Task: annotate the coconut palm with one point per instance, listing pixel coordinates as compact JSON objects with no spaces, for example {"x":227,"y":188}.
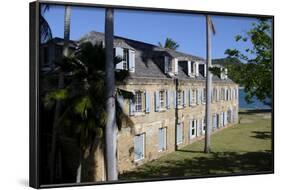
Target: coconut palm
{"x":45,"y":30}
{"x":210,"y":29}
{"x":111,"y":129}
{"x":83,"y":100}
{"x":67,"y":17}
{"x":170,"y":44}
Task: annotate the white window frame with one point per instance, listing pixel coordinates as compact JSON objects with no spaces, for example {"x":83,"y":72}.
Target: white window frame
{"x":138,"y":102}
{"x":204,"y":124}
{"x":193,"y":127}
{"x":162,"y":99}
{"x":143,"y":147}
{"x":125,"y":59}
{"x":193,"y":96}
{"x":179,"y":97}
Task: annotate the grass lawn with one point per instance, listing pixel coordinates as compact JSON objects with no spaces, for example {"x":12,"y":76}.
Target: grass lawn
{"x":245,"y":147}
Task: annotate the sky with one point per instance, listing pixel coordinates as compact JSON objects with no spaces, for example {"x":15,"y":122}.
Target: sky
{"x":188,"y":30}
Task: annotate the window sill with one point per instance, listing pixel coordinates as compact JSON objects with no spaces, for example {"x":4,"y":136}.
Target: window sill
{"x":163,"y":150}
{"x":139,"y":114}
{"x":162,"y":110}
{"x":138,"y":160}
{"x":178,"y":143}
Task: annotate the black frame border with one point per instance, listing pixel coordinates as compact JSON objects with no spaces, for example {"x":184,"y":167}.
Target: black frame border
{"x":34,"y":41}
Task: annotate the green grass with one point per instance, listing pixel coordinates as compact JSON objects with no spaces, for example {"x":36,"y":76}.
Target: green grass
{"x":245,"y":147}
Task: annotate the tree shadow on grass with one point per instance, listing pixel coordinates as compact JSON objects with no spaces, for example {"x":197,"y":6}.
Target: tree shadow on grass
{"x":264,"y":135}
{"x":215,"y":164}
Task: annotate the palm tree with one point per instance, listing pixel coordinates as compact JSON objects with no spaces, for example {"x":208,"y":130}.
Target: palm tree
{"x":111,"y":128}
{"x":83,"y":101}
{"x":67,"y":16}
{"x":170,"y":44}
{"x":45,"y":30}
{"x":209,"y":27}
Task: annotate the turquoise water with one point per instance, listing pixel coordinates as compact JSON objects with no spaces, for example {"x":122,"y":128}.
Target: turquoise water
{"x":255,"y":105}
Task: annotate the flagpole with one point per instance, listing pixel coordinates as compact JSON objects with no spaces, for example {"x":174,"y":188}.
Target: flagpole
{"x":208,"y":86}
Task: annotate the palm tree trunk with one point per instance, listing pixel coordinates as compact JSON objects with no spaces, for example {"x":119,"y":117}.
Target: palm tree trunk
{"x":111,"y":128}
{"x":67,"y":16}
{"x":208,"y":88}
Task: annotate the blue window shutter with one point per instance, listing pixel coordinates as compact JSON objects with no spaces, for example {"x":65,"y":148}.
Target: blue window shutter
{"x":147,"y":102}
{"x":175,"y":99}
{"x":131,"y":60}
{"x":168,"y":99}
{"x":156,"y":99}
{"x":166,"y":62}
{"x":225,"y":94}
{"x":184,"y":97}
{"x":161,"y":138}
{"x":179,"y":133}
{"x":138,"y":148}
{"x":197,"y":128}
{"x":119,"y":53}
{"x":190,"y":129}
{"x":171,"y":98}
{"x":190,"y":97}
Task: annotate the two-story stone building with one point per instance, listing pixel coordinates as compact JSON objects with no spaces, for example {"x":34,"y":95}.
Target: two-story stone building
{"x":168,"y":108}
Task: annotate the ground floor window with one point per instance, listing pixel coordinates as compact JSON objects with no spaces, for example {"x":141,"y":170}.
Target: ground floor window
{"x":179,"y":133}
{"x":229,"y":114}
{"x":203,"y":125}
{"x":139,"y":145}
{"x":192,"y":128}
{"x":162,"y":142}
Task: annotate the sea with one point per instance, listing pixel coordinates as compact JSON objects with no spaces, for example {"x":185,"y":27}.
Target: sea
{"x":255,"y":105}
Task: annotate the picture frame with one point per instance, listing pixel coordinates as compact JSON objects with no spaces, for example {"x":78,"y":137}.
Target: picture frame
{"x":36,"y":88}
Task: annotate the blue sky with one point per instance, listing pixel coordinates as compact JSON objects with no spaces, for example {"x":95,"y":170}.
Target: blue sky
{"x":188,"y":30}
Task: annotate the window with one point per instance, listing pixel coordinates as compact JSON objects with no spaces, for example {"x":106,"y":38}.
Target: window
{"x":46,"y":55}
{"x":229,"y":116}
{"x":179,"y":97}
{"x":179,"y":133}
{"x":58,"y":52}
{"x":162,"y":99}
{"x":204,"y":95}
{"x":162,"y":134}
{"x":139,"y":146}
{"x":204,"y":125}
{"x":193,"y":67}
{"x":214,"y":94}
{"x":222,"y":94}
{"x":193,"y":96}
{"x":193,"y":128}
{"x":170,"y":65}
{"x":138,"y":101}
{"x":125,"y":59}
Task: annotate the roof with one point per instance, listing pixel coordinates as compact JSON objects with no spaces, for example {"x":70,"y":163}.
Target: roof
{"x":146,"y":57}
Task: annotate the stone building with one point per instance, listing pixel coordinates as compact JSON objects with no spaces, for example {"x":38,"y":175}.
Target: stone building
{"x":168,"y":108}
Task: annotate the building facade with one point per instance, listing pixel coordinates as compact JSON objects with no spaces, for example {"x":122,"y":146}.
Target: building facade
{"x":167,"y":110}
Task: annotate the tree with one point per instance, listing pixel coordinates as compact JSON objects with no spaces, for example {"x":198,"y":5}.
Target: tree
{"x":111,"y":128}
{"x":67,"y":16}
{"x":256,"y":74}
{"x":83,"y":99}
{"x":45,"y":30}
{"x":209,"y":30}
{"x":170,"y":44}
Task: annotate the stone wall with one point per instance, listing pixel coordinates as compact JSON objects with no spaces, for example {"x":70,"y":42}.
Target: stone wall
{"x":149,"y":123}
